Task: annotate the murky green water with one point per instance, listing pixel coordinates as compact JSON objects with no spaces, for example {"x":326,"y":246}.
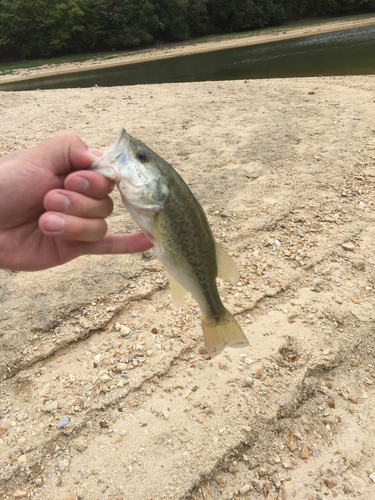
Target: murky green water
{"x":350,"y":52}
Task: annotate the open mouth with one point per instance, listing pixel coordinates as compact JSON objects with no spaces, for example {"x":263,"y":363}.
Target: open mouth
{"x":115,"y":154}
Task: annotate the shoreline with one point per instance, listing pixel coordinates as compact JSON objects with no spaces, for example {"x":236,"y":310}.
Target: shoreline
{"x":180,"y":50}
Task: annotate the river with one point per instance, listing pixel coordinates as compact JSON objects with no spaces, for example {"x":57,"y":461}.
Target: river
{"x":348,"y":52}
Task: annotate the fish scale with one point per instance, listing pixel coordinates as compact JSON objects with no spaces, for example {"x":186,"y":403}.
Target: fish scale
{"x":182,"y":235}
{"x":166,"y":210}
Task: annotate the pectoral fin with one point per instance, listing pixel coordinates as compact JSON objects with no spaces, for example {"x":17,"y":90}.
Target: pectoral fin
{"x":178,"y":292}
{"x":226,"y":267}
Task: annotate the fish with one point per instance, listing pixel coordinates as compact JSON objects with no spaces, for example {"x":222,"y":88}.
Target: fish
{"x":170,"y":216}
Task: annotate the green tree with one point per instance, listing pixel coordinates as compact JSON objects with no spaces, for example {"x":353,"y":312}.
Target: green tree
{"x":29,"y":28}
{"x":197,"y":17}
{"x":34,"y":28}
{"x":173,"y":15}
{"x":118,"y":23}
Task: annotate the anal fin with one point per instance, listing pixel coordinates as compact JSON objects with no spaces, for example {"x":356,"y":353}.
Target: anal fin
{"x":226,"y":267}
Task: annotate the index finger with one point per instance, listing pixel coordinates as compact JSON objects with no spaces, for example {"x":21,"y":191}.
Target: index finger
{"x":89,"y":183}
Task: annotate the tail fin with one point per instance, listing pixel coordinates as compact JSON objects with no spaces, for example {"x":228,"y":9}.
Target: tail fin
{"x":221,"y":333}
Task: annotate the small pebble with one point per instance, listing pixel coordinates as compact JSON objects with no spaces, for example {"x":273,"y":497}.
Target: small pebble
{"x":19,"y":494}
{"x":121,"y":367}
{"x":330,"y":483}
{"x":63,"y":423}
{"x":304,"y":452}
{"x":292,"y":442}
{"x":349,"y":247}
{"x":280,"y":402}
{"x":287,"y":464}
{"x":50,"y":407}
{"x":249,"y":382}
{"x":45,"y":390}
{"x":245,"y":489}
{"x":125,"y":330}
{"x":221,"y":481}
{"x":84,"y":322}
{"x":63,"y":464}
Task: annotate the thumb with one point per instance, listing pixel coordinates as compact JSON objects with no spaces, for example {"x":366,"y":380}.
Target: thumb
{"x":66,"y":152}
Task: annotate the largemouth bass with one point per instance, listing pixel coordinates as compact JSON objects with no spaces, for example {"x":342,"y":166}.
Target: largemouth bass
{"x":165,"y":209}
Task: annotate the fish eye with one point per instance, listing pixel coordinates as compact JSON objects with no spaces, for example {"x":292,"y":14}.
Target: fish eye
{"x":141,"y":156}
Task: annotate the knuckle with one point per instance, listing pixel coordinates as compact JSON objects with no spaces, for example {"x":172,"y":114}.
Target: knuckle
{"x":68,"y":136}
{"x":108,"y":207}
{"x":102,"y":229}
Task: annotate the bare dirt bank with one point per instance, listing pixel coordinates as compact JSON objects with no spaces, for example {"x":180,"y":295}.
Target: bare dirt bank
{"x":179,"y":50}
{"x":285,"y":170}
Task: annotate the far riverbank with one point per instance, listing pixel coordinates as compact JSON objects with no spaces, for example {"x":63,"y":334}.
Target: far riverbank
{"x":250,"y":38}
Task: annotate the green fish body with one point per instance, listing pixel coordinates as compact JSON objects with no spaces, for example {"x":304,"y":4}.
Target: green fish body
{"x":165,"y":209}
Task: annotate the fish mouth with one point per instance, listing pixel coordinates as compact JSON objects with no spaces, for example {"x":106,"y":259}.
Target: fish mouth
{"x":122,"y":140}
{"x":112,"y":160}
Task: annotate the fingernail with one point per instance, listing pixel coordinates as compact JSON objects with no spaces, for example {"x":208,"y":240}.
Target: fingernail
{"x":60,"y":202}
{"x":81,"y":184}
{"x":54,"y":223}
{"x":95,"y":152}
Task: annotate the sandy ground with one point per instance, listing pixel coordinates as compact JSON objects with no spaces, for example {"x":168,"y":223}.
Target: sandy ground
{"x":285,"y":170}
{"x":256,"y":37}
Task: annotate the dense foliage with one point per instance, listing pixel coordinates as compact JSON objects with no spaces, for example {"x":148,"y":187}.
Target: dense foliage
{"x":34,"y":28}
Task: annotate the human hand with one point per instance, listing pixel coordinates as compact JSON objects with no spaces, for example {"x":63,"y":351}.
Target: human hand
{"x":52,"y":211}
